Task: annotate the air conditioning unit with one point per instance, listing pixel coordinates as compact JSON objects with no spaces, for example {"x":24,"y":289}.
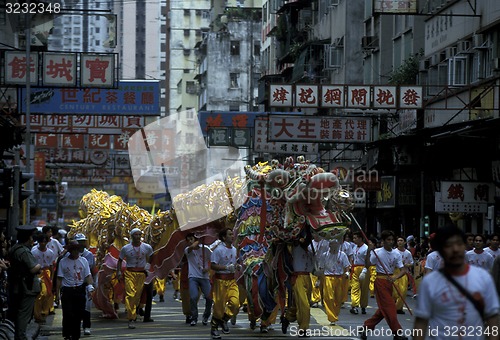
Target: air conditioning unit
{"x":463,"y":46}
{"x":424,"y":64}
{"x":334,"y":3}
{"x":435,"y":59}
{"x":477,"y":40}
{"x":369,"y":42}
{"x":450,"y":52}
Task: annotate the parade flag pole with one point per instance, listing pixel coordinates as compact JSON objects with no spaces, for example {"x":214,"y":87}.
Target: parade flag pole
{"x":381,"y":263}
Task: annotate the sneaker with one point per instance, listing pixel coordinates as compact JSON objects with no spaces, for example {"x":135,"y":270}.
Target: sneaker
{"x":204,"y":321}
{"x":86,"y":331}
{"x":193,"y":322}
{"x":225,"y":327}
{"x":263,"y":329}
{"x":353,"y":310}
{"x":215,"y":334}
{"x":233,"y":320}
{"x":131,"y":324}
{"x":315,"y":305}
{"x":188,"y":319}
{"x":363,"y":310}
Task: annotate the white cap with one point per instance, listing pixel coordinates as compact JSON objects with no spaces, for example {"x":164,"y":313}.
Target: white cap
{"x":80,"y":237}
{"x":135,"y":230}
{"x":62,"y":232}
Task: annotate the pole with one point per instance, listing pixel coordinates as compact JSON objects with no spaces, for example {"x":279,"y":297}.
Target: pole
{"x":27,"y":136}
{"x":382,"y":264}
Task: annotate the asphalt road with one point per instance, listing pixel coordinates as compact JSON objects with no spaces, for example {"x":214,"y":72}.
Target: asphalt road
{"x":169,"y":323}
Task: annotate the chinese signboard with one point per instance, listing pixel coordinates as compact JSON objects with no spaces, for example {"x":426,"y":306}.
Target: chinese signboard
{"x":395,"y":6}
{"x":61,"y":69}
{"x":262,"y":145}
{"x":319,"y":129}
{"x":386,"y":197}
{"x":346,"y":96}
{"x":469,"y":197}
{"x":84,"y":124}
{"x":214,"y":119}
{"x":140,"y":98}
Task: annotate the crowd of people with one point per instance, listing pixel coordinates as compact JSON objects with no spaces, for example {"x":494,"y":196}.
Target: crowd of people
{"x":455,"y":278}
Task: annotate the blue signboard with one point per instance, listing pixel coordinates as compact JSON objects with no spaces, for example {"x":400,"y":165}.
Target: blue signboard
{"x":131,"y":98}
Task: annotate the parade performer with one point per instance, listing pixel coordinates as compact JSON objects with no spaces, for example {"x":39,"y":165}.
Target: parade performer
{"x":137,"y":255}
{"x":299,"y":308}
{"x":75,"y":281}
{"x":198,"y":257}
{"x":459,"y":296}
{"x":386,"y":260}
{"x":84,"y":252}
{"x":225,"y":289}
{"x":360,"y":280}
{"x":478,"y":256}
{"x":46,"y":259}
{"x":335,"y":264}
{"x":401,"y":284}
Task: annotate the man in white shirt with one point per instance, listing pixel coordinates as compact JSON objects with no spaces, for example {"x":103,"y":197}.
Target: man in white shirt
{"x":478,"y":256}
{"x":360,"y":284}
{"x":399,"y":294}
{"x":494,"y":249}
{"x":198,"y":257}
{"x":386,"y":260}
{"x":442,"y":310}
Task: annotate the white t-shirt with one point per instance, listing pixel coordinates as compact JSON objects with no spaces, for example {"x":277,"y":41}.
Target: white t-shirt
{"x":434,"y":261}
{"x":55,"y":246}
{"x":303,"y":260}
{"x":335,"y":263}
{"x":73,"y":272}
{"x":440,"y":302}
{"x":406,"y":256}
{"x":359,"y":255}
{"x":389,"y":260}
{"x":136,"y":256}
{"x":492,"y":252}
{"x":44,"y":258}
{"x":87,"y":254}
{"x":197,"y":260}
{"x":224,"y":256}
{"x":483,"y":260}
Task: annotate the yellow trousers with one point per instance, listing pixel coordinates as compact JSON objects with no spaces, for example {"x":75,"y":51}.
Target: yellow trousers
{"x":316,"y":291}
{"x":226,"y":299}
{"x":359,"y":289}
{"x":345,"y":289}
{"x":134,"y":283}
{"x":373,"y":276}
{"x":45,"y":300}
{"x":301,"y":310}
{"x":333,"y":293}
{"x":159,"y":286}
{"x":402,"y":285}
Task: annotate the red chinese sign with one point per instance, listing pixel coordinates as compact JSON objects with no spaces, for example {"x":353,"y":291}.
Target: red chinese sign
{"x":319,"y":129}
{"x":60,"y":69}
{"x":467,"y":192}
{"x":262,"y":145}
{"x":346,"y":96}
{"x":84,"y":124}
{"x":16,"y":68}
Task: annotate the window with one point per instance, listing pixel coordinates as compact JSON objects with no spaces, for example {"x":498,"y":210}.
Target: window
{"x":234,"y":107}
{"x":186,"y":70}
{"x":97,"y":29}
{"x":189,"y":138}
{"x":233,"y":78}
{"x":235,"y":47}
{"x":187,"y":32}
{"x":189,"y":113}
{"x":198,"y":33}
{"x":457,"y":71}
{"x":191,"y":87}
{"x":256,"y":49}
{"x":187,"y":12}
{"x":198,"y":12}
{"x":186,"y":52}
